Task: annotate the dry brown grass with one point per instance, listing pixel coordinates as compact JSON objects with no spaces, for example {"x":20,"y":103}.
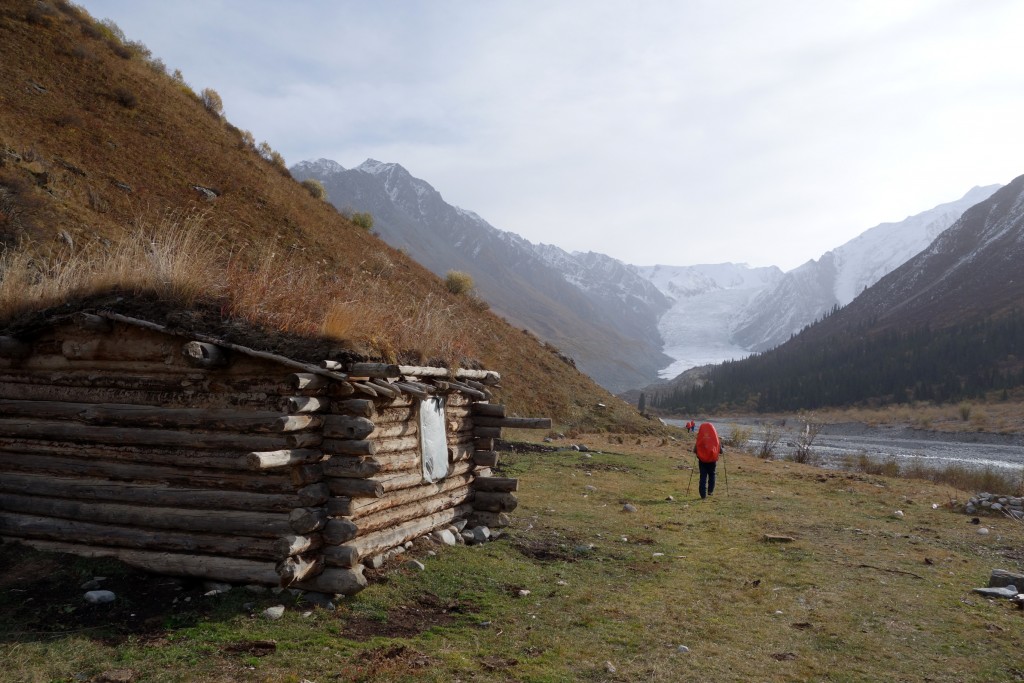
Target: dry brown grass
{"x":182,"y":262}
{"x":989,"y":415}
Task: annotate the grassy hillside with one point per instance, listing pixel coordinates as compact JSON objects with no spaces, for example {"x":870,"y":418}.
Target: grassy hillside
{"x":577,"y":583}
{"x":113,"y":169}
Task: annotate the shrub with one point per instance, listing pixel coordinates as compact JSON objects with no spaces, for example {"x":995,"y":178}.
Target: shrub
{"x":315,"y":188}
{"x":770,"y":435}
{"x":362,"y":219}
{"x":738,"y":437}
{"x":212,"y":101}
{"x":126,"y":98}
{"x":458,"y":282}
{"x":247,"y":139}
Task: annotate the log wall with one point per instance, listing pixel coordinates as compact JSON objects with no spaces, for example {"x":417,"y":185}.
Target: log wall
{"x":120,"y":437}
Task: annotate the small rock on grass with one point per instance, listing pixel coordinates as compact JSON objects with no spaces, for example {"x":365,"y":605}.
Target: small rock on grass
{"x":682,"y":649}
{"x":99,"y":597}
{"x":415,"y":565}
{"x":609,"y":667}
{"x":274,"y":613}
{"x":629,"y":507}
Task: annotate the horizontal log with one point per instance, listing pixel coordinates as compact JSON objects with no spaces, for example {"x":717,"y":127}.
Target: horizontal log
{"x":402,"y":443}
{"x":296,"y":544}
{"x":487,"y":432}
{"x":355,"y":468}
{"x":204,"y":355}
{"x":381,"y":370}
{"x":488,"y":409}
{"x":181,"y":458}
{"x":395,"y":429}
{"x":131,"y":472}
{"x":358,"y":508}
{"x":489,"y":501}
{"x":53,"y":529}
{"x":458,"y":373}
{"x":396,"y":414}
{"x":339,"y":530}
{"x":497,"y":484}
{"x":355,"y":488}
{"x":346,"y":427}
{"x":360,"y":407}
{"x":267,"y":460}
{"x":158,"y":495}
{"x":230,"y":569}
{"x":256,"y":524}
{"x":299,"y":568}
{"x":400,"y":514}
{"x":362,"y":468}
{"x":332,"y":365}
{"x":380,"y":541}
{"x":307,"y":520}
{"x":253,"y":353}
{"x":335,"y":580}
{"x":307,"y":404}
{"x":14,"y":349}
{"x":485,"y":458}
{"x":73,"y":431}
{"x":348,"y":447}
{"x":514,"y":422}
{"x":169,"y":391}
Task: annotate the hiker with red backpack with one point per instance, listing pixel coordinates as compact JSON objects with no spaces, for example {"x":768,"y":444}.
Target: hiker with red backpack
{"x":708,"y":447}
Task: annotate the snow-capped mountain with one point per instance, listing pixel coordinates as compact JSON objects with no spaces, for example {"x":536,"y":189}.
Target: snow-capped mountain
{"x":810,"y":291}
{"x":592,"y":307}
{"x":698,"y":327}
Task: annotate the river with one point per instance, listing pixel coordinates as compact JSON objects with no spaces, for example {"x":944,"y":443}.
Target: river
{"x":835,"y":442}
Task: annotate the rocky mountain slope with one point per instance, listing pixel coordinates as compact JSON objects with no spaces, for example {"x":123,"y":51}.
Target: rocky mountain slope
{"x":592,"y":307}
{"x":808,"y":292}
{"x":946,"y":325}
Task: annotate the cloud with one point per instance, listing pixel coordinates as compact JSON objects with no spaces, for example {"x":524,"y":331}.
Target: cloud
{"x":671,"y":132}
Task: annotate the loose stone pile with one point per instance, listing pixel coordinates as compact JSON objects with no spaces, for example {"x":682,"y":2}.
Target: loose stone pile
{"x":1003,"y":505}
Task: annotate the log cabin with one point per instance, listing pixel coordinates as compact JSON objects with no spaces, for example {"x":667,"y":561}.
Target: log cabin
{"x":184,"y":454}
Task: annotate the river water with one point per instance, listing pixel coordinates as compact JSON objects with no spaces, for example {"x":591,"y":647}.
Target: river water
{"x":836,"y":442}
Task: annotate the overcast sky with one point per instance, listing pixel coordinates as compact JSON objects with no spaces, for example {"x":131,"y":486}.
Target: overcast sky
{"x":655,"y":131}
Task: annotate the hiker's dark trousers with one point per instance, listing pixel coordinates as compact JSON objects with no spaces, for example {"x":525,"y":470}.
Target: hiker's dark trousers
{"x":706,"y":485}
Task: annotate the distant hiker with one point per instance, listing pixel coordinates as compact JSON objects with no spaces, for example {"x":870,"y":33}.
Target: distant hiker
{"x":690,"y":426}
{"x":707,"y":448}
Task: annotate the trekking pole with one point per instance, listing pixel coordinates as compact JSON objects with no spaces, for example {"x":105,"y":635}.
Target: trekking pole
{"x":688,"y":482}
{"x":725,"y":471}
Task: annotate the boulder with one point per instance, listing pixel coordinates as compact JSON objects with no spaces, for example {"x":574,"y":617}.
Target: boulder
{"x":1001,"y":578}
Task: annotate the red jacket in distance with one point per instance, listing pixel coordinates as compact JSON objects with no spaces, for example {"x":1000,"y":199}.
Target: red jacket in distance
{"x":708,"y":446}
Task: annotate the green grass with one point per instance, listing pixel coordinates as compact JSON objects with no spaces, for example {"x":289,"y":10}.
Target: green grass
{"x":859,"y":596}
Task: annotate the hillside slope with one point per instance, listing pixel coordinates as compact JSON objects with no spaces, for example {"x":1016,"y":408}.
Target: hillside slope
{"x":98,"y":142}
{"x":946,"y":325}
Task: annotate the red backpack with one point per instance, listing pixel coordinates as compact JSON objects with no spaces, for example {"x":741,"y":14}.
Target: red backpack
{"x":708,"y":445}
